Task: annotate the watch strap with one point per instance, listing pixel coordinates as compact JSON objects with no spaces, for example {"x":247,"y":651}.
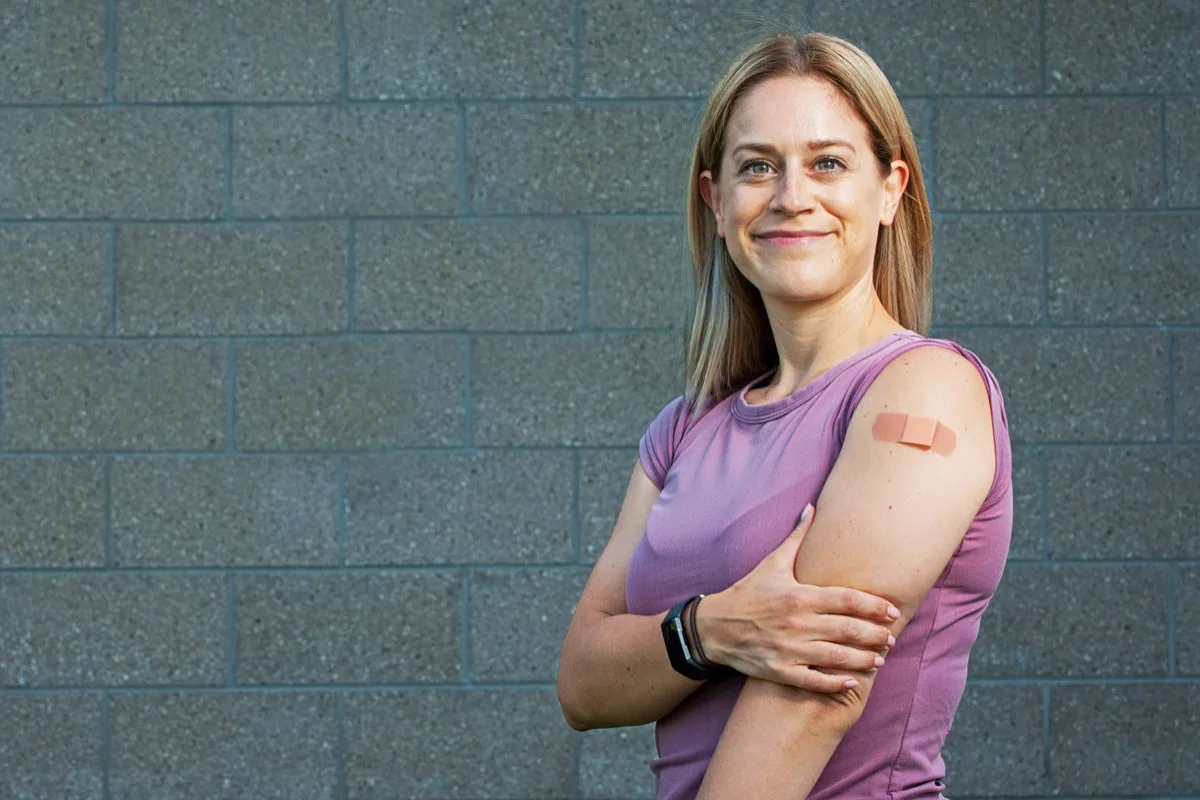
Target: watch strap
{"x":680,"y":649}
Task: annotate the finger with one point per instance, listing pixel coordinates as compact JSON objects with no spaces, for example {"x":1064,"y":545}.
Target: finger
{"x":830,"y":656}
{"x":841,"y":600}
{"x":791,"y":545}
{"x":813,"y":681}
{"x":856,"y":632}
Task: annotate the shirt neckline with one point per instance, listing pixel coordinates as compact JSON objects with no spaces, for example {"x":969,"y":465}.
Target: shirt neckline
{"x":763,"y":412}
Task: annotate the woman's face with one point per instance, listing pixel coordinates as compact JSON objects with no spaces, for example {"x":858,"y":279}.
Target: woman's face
{"x":800,"y":196}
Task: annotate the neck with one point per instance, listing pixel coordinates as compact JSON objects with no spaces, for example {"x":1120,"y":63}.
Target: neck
{"x":812,"y":339}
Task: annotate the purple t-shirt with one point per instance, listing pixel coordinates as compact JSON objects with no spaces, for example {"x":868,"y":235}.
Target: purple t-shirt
{"x":734,"y":479}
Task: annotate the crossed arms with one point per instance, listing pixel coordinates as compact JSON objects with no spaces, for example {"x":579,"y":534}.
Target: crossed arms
{"x":887,"y":521}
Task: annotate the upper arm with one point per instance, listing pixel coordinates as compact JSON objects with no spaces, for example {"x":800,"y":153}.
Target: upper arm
{"x":604,"y":592}
{"x":891,"y":515}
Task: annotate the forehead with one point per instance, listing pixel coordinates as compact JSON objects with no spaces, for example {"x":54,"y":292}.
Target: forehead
{"x":794,"y":109}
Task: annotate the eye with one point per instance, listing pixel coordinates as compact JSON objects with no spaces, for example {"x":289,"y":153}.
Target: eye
{"x":757,"y":167}
{"x":828,"y":164}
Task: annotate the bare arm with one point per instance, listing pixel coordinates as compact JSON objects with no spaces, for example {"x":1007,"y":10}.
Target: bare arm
{"x":888,"y":520}
{"x":614,"y":669}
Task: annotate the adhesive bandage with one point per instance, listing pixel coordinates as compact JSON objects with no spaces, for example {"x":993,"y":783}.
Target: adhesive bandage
{"x":923,"y":432}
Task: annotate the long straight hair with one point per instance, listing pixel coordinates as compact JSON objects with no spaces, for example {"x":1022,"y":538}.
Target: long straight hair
{"x":730,"y":342}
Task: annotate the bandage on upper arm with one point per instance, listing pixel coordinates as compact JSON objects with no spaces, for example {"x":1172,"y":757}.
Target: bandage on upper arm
{"x":924,"y":432}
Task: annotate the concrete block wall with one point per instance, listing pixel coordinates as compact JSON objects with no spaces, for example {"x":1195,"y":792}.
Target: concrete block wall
{"x":328,"y":329}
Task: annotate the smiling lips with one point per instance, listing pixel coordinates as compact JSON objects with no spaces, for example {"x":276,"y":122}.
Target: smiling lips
{"x":792,"y":238}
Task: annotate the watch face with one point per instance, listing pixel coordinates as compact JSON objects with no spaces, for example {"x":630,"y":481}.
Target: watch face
{"x":677,"y":629}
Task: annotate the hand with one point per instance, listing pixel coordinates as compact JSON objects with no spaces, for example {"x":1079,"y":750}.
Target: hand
{"x":769,"y":626}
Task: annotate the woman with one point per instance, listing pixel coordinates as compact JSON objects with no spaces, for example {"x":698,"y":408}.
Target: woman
{"x":810,"y":380}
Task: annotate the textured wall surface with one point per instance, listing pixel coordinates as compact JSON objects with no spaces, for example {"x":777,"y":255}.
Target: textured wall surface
{"x":328,"y":328}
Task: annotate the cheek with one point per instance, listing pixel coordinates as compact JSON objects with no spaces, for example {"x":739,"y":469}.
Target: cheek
{"x":859,"y":210}
{"x":742,"y":212}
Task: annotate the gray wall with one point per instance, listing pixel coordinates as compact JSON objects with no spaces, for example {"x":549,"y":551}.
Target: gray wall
{"x":327,"y":330}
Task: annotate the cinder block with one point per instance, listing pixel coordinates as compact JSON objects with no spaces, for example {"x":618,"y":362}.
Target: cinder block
{"x":83,"y":629}
{"x":1044,"y":154}
{"x":457,"y":744}
{"x":1077,"y":386}
{"x":995,"y":745}
{"x":1187,"y":622}
{"x":114,"y":395}
{"x":572,"y":390}
{"x":668,"y":49}
{"x":52,"y":512}
{"x":1183,"y":151}
{"x":942,"y":47}
{"x":55,"y":279}
{"x":614,"y":764}
{"x":460,"y":49}
{"x":1124,"y":503}
{"x":1185,"y":363}
{"x":918,"y":113}
{"x":361,"y":627}
{"x":561,"y":159}
{"x":1138,"y":48}
{"x":348,"y":394}
{"x":1027,"y":505}
{"x":224,"y":744}
{"x":511,"y":275}
{"x":492,"y":506}
{"x":639,"y":273}
{"x":150,"y":163}
{"x":219,"y":52}
{"x":1129,"y":739}
{"x":213,"y":512}
{"x":519,"y":620}
{"x":51,"y":746}
{"x":52,"y":51}
{"x":254,"y":279}
{"x":987,"y":270}
{"x":1057,"y":621}
{"x":603,"y":477}
{"x":337,"y":161}
{"x":1122,"y":270}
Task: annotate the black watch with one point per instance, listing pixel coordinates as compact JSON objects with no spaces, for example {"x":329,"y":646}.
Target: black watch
{"x":679,"y":649}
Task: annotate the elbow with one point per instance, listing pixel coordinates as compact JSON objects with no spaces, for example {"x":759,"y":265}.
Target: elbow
{"x":571,"y":711}
{"x":825,"y":715}
{"x":844,"y":717}
{"x":840,"y":712}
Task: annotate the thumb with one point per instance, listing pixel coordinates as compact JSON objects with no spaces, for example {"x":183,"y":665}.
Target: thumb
{"x":791,"y":545}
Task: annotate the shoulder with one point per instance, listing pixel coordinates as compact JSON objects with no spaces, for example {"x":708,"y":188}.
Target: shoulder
{"x":938,"y":382}
{"x":933,"y":376}
{"x":660,"y":442}
{"x":669,"y":422}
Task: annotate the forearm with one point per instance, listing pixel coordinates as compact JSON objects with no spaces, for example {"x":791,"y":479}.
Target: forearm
{"x":789,"y":752}
{"x":614,"y":672}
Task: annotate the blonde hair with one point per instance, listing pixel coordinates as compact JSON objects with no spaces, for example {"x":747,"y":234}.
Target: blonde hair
{"x":731,"y":342}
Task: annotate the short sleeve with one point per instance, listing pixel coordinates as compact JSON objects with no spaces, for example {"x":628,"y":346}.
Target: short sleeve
{"x":659,"y":443}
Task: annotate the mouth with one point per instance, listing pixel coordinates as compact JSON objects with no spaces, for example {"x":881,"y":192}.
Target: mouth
{"x":792,"y":238}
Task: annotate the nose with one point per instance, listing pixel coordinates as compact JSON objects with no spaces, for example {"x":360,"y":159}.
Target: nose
{"x":793,"y":194}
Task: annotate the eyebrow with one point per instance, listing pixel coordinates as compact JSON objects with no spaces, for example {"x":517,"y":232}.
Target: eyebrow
{"x":815,"y":144}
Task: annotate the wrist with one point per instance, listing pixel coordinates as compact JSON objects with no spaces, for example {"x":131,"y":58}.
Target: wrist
{"x":708,"y":628}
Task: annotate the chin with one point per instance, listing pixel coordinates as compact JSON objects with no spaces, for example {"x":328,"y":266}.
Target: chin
{"x":796,"y":292}
{"x":799,"y":277}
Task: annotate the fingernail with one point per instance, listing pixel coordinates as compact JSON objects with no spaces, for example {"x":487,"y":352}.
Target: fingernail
{"x":878,"y":662}
{"x":850,"y":684}
{"x":806,"y":513}
{"x":891,"y":640}
{"x":893,"y":612}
